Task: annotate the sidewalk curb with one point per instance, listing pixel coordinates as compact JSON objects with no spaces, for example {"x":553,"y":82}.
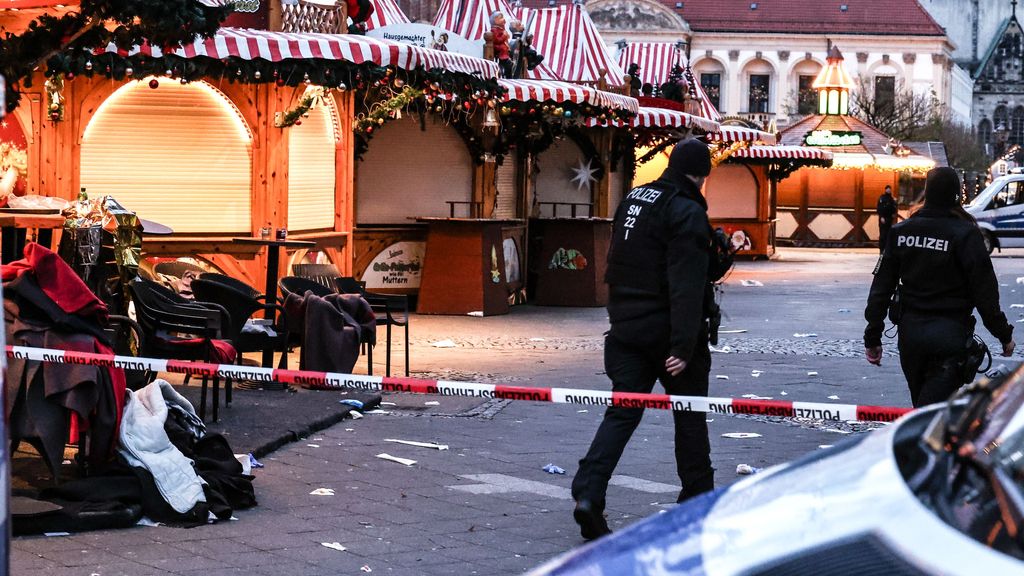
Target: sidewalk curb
{"x":314,"y":426}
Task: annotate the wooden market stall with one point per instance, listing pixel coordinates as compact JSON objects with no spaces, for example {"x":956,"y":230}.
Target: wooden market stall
{"x":244,"y":134}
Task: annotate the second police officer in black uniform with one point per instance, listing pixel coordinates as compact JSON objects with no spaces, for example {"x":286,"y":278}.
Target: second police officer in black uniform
{"x":937,"y":261}
{"x":659,"y":267}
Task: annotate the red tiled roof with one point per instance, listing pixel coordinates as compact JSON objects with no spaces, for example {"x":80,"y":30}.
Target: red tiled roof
{"x":882,"y":17}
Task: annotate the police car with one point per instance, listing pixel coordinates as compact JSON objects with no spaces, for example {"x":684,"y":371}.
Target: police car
{"x":999,"y":209}
{"x":941,"y":491}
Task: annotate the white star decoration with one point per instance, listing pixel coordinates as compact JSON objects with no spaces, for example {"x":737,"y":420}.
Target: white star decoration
{"x":584,"y":175}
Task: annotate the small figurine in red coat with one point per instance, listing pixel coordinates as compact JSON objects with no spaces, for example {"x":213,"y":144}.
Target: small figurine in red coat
{"x":500,"y":37}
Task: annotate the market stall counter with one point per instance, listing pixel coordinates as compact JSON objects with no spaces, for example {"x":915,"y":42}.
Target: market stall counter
{"x":568,"y":257}
{"x":464,"y":269}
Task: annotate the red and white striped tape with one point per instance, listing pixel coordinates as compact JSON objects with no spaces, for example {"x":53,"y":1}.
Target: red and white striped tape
{"x":337,"y":381}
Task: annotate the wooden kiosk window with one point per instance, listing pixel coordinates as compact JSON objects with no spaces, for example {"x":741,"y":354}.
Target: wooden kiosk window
{"x":179,"y":154}
{"x":311,"y":153}
{"x":732,"y":192}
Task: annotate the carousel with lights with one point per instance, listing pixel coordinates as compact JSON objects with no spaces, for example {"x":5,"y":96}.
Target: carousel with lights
{"x":835,"y":206}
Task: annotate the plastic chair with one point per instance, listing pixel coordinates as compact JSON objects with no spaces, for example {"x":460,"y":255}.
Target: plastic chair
{"x":235,"y":283}
{"x":177,"y":329}
{"x":241,"y":305}
{"x":177,"y":268}
{"x":387,"y":308}
{"x":321,"y":273}
{"x":299,"y":286}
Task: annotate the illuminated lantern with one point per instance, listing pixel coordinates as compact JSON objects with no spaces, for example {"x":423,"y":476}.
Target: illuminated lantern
{"x":833,"y":85}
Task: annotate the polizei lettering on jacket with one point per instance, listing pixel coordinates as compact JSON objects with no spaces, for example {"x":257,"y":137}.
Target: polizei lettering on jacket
{"x":926,"y":242}
{"x":644,"y":194}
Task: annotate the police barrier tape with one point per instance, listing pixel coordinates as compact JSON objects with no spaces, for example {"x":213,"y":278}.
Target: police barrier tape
{"x":337,"y":381}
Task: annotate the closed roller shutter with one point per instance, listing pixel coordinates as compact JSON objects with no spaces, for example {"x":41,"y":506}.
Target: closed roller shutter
{"x":311,"y":171}
{"x":408,"y":172}
{"x":731,"y":192}
{"x":179,"y":155}
{"x":508,"y":198}
{"x":554,"y":183}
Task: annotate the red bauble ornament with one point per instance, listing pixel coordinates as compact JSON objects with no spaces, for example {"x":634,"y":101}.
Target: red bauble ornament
{"x":369,"y":129}
{"x":533,"y":110}
{"x":298,"y":122}
{"x":154,"y":83}
{"x":69,"y":76}
{"x":465,"y":105}
{"x":279,"y":81}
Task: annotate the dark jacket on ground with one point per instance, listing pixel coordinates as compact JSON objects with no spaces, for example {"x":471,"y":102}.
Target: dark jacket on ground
{"x":657,"y":266}
{"x":945,"y":270}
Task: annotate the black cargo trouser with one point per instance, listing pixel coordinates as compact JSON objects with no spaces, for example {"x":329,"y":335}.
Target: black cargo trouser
{"x":932,"y":351}
{"x":634,"y":369}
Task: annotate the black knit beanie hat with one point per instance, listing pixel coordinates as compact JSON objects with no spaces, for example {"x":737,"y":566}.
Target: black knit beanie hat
{"x":690,"y":157}
{"x":942,"y":188}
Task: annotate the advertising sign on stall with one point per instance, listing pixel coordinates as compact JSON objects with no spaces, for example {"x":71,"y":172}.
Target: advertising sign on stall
{"x":396,"y":267}
{"x":429,"y":36}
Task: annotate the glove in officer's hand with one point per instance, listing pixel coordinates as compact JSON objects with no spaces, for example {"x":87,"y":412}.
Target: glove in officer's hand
{"x":1008,"y":348}
{"x":874,"y":355}
{"x":674,"y":366}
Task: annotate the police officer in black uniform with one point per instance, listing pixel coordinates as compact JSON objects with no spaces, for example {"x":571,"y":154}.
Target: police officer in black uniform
{"x":938,"y":260}
{"x":658,"y":282}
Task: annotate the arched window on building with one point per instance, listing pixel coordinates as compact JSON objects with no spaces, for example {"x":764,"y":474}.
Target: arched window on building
{"x":1017,"y":126}
{"x":985,"y":135}
{"x":759,"y":75}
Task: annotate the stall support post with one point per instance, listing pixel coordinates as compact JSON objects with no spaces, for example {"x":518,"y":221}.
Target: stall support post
{"x":859,"y":235}
{"x":485,"y":190}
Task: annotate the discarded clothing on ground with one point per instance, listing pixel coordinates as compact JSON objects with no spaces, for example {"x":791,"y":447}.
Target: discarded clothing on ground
{"x":169,"y":469}
{"x":332,"y":329}
{"x":47,"y":305}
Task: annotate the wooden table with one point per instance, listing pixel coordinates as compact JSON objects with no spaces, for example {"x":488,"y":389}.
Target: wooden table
{"x":273,"y":261}
{"x":13,"y":232}
{"x":464,"y":267}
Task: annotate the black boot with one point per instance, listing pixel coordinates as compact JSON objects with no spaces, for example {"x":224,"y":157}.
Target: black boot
{"x":697,"y":486}
{"x":591,"y":520}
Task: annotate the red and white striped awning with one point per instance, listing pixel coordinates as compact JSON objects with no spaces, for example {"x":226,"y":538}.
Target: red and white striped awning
{"x":385,"y":13}
{"x":555,"y":91}
{"x":570,"y":43}
{"x":655,"y":60}
{"x":249,"y":44}
{"x":470,"y":18}
{"x":743,"y":134}
{"x":653,"y":118}
{"x":782,"y":153}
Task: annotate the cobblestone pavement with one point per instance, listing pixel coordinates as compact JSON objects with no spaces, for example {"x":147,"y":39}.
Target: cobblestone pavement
{"x":484,"y":505}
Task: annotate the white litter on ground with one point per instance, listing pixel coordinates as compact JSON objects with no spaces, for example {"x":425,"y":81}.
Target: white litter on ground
{"x":388,"y":404}
{"x":146,"y":521}
{"x":1016,"y":305}
{"x":721,"y":376}
{"x":536,"y":340}
{"x":582,"y":411}
{"x":736,"y":331}
{"x":756,"y":397}
{"x":741,"y":435}
{"x":432,"y":403}
{"x":443,"y":344}
{"x":784,"y":393}
{"x":56,"y":534}
{"x":833,"y":397}
{"x":751,"y":283}
{"x":322,"y":492}
{"x":420,"y":444}
{"x":355,"y":414}
{"x":334,"y":546}
{"x":377,"y":411}
{"x":746,"y":469}
{"x":824,"y":446}
{"x":805,"y":335}
{"x":812,"y":373}
{"x":722,"y":350}
{"x":313,"y":445}
{"x":1020,"y":280}
{"x":404,"y":461}
{"x":476,"y":313}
